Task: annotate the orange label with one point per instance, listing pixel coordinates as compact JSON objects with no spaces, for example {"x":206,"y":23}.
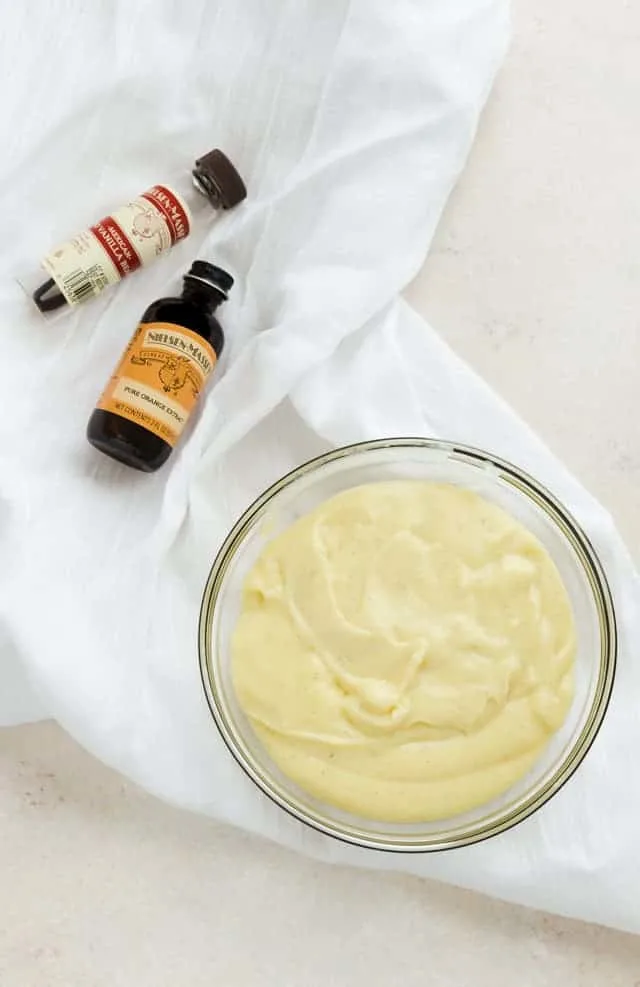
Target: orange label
{"x":159,"y":378}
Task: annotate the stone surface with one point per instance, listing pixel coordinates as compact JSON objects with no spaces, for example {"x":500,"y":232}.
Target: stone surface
{"x":102,"y":886}
{"x":533,"y":279}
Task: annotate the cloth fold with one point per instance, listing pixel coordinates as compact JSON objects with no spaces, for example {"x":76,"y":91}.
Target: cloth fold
{"x":350,"y":120}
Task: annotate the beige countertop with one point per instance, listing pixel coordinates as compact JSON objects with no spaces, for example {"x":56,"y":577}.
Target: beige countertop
{"x":533,"y":279}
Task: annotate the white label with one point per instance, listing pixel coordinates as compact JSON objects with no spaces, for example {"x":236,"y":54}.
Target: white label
{"x":131,"y":237}
{"x":151,"y":400}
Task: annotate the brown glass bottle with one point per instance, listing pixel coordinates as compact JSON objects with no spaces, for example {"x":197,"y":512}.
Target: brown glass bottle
{"x":145,"y":406}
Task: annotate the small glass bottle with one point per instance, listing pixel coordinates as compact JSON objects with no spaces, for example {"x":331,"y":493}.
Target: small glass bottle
{"x":131,"y":237}
{"x":145,"y":406}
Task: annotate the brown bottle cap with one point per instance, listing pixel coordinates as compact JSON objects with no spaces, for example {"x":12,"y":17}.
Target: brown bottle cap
{"x":218,"y":179}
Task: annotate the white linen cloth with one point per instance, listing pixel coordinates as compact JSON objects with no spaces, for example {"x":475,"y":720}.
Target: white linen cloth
{"x":350,"y":120}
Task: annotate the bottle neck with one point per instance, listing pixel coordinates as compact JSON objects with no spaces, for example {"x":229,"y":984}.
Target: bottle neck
{"x":197,"y":200}
{"x":207,"y":189}
{"x":196,"y":196}
{"x":203,"y":295}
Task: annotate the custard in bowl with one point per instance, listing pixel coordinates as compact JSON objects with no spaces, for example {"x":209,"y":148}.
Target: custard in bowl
{"x":407,"y":644}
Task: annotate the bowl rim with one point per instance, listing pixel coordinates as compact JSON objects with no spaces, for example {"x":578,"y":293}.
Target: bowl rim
{"x":579,"y":542}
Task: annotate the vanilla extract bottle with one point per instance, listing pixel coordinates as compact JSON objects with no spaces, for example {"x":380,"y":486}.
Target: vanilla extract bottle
{"x":132,"y":236}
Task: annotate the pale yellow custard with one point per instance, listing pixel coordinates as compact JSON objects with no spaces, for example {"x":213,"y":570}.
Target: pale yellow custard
{"x":406,"y":651}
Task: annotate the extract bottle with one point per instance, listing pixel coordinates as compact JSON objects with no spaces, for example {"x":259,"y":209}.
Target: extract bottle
{"x":131,"y":236}
{"x":145,"y":406}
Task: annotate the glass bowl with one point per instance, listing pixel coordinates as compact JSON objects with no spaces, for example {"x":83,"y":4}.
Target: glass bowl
{"x":304,"y":489}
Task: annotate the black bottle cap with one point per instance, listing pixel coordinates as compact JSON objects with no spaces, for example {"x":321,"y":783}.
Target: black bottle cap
{"x":219,"y":180}
{"x":203,"y":271}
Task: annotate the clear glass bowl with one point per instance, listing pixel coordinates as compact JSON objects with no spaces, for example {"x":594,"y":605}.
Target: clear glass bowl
{"x":300,"y":492}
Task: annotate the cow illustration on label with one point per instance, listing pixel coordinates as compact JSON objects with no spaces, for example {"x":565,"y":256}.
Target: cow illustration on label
{"x":147,"y":225}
